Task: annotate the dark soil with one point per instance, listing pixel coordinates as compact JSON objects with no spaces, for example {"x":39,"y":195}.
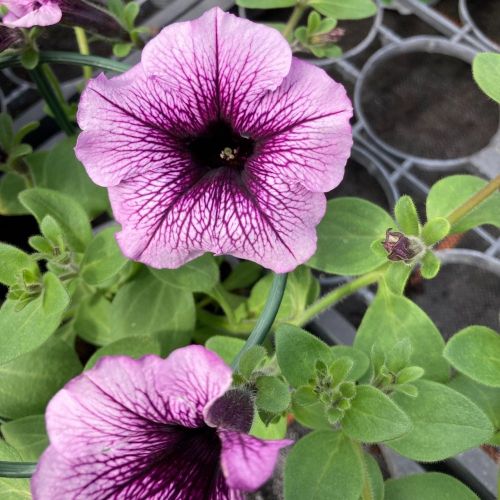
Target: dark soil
{"x":486,"y":16}
{"x":359,"y":182}
{"x":460,"y":296}
{"x":429,"y":106}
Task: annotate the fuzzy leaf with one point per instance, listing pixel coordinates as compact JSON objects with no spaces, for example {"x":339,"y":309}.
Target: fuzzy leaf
{"x":445,"y":423}
{"x":345,"y":236}
{"x":475,"y":351}
{"x":374,"y":417}
{"x":318,"y":467}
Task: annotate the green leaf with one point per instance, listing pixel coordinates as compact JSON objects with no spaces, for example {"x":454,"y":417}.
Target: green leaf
{"x":251,"y":359}
{"x":435,"y":230}
{"x":324,"y":464}
{"x":67,"y":213}
{"x":30,"y":58}
{"x":27,"y":435}
{"x":271,"y":431}
{"x":361,"y":361}
{"x":24,"y":131}
{"x":30,"y":380}
{"x":397,"y":274}
{"x":148,"y":306}
{"x":133,"y":347}
{"x":93,"y":320}
{"x":487,"y":398}
{"x":452,"y":192}
{"x":130,"y":13}
{"x":6,"y":132}
{"x":407,"y":216}
{"x":345,"y":9}
{"x":266,"y":4}
{"x":226,"y":347}
{"x":374,"y":417}
{"x":410,"y":374}
{"x":475,"y":351}
{"x":11,"y":184}
{"x":486,"y":72}
{"x":428,"y":486}
{"x":23,"y":331}
{"x":61,"y":171}
{"x":444,"y":423}
{"x":199,"y":275}
{"x":13,"y":262}
{"x":430,"y":265}
{"x":297,"y":352}
{"x":103,"y":258}
{"x":308,"y":409}
{"x":12,"y":489}
{"x":273,"y":395}
{"x":392,"y":318}
{"x":122,"y":49}
{"x":375,"y":478}
{"x":345,"y":236}
{"x":245,"y":274}
{"x":20,"y":150}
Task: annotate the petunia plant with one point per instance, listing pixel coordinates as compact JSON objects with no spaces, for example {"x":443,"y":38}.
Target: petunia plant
{"x":157,"y":340}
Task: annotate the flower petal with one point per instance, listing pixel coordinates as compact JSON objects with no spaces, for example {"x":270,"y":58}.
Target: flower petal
{"x":26,"y":15}
{"x":302,"y":127}
{"x":168,"y":221}
{"x":218,"y":62}
{"x":109,"y":407}
{"x":130,"y":124}
{"x":248,"y":462}
{"x":188,"y":469}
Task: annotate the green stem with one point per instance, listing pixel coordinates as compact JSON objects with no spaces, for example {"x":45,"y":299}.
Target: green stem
{"x":83,"y":47}
{"x":39,"y":77}
{"x":294,"y":19}
{"x":71,"y":58}
{"x":337,"y":294}
{"x":474,"y":201}
{"x":266,"y":319}
{"x":17,"y":469}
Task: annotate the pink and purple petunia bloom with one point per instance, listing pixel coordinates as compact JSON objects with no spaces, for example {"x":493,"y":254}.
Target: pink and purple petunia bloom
{"x":29,"y":13}
{"x":153,"y":428}
{"x":218,"y":140}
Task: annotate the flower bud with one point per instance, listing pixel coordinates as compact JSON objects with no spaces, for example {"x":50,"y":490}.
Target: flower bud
{"x":401,"y":247}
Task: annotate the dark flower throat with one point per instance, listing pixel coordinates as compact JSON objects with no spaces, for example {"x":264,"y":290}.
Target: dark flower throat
{"x":220,"y":146}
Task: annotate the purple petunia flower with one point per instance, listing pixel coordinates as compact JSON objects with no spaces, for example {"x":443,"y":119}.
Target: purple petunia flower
{"x":153,"y":428}
{"x":219,"y":141}
{"x":29,"y":13}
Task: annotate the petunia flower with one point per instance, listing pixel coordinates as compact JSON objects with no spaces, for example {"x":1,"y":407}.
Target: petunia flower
{"x":218,"y":141}
{"x":153,"y":428}
{"x":29,"y":13}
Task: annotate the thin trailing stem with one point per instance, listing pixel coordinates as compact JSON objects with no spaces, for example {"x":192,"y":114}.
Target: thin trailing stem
{"x":39,"y":77}
{"x":70,"y":58}
{"x":474,"y":201}
{"x":337,"y":294}
{"x":266,"y":319}
{"x":17,"y":469}
{"x":83,"y":47}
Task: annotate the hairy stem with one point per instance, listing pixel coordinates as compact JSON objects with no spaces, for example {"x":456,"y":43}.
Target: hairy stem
{"x":83,"y":47}
{"x":294,"y":19}
{"x":266,"y":319}
{"x":39,"y":77}
{"x":337,"y":294}
{"x":474,"y":201}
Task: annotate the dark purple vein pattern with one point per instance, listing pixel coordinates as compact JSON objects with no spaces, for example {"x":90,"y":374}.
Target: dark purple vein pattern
{"x":218,"y":141}
{"x":152,"y":429}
